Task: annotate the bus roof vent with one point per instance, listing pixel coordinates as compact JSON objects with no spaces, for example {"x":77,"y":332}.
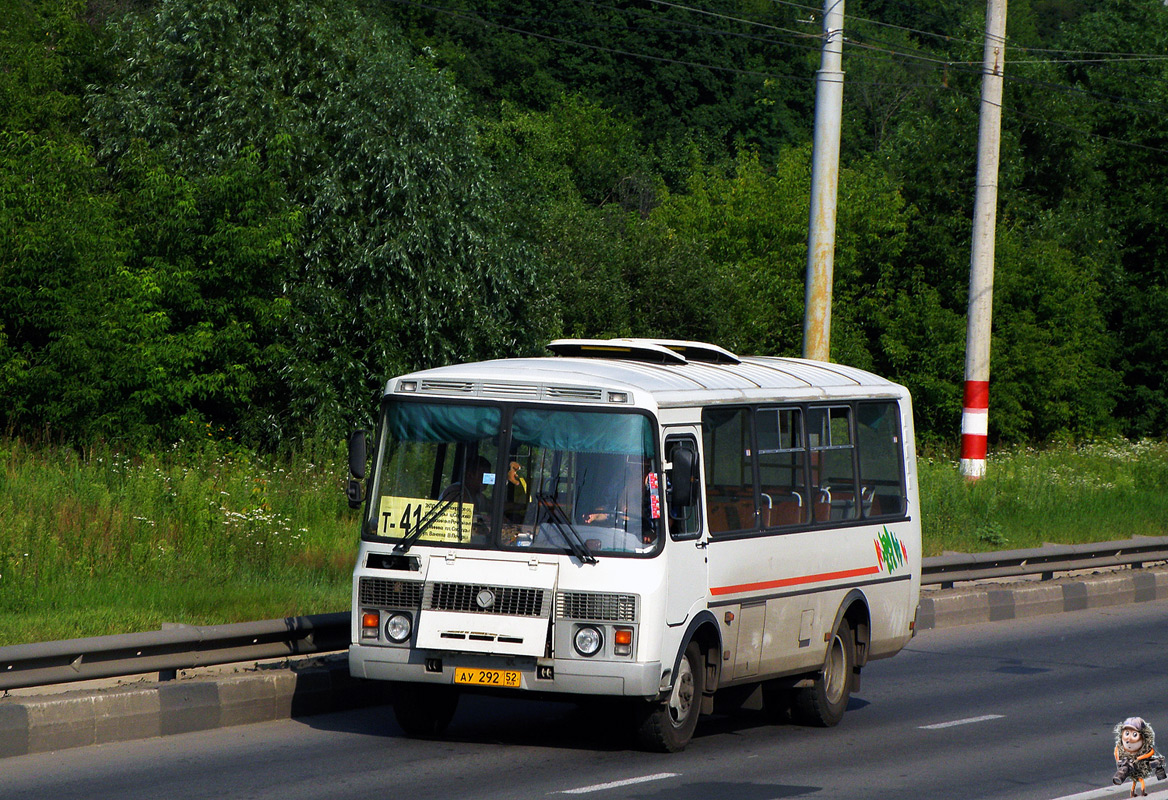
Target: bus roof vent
{"x":623,"y":349}
{"x":658,"y":351}
{"x":574,"y":393}
{"x":431,"y":386}
{"x":696,"y":351}
{"x":512,"y":390}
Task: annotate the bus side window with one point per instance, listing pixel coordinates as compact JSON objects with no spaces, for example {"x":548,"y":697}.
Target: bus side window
{"x":727,"y":440}
{"x":684,"y":522}
{"x":781,"y":467}
{"x":833,"y":478}
{"x":878,"y":433}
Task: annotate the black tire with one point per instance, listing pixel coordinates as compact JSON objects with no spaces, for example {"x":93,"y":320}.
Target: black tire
{"x":424,"y":710}
{"x":823,"y":704}
{"x":668,"y":726}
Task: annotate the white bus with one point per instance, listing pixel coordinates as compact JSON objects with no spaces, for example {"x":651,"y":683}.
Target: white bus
{"x":659,"y":521}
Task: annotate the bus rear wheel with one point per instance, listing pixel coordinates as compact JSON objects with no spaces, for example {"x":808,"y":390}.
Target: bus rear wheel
{"x":669,"y":725}
{"x":424,"y":710}
{"x":823,"y":703}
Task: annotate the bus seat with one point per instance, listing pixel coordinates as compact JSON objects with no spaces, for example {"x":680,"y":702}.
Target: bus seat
{"x":822,"y":504}
{"x":716,"y":512}
{"x":729,"y":509}
{"x":786,"y":509}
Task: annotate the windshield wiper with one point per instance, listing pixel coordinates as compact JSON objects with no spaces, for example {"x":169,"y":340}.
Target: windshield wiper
{"x":567,"y":530}
{"x":423,"y":525}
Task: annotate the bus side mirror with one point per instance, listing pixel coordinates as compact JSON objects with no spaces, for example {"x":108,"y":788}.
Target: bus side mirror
{"x":683,"y":477}
{"x":357,"y":457}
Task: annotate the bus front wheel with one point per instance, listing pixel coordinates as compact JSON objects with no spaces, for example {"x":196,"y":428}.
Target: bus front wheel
{"x":668,"y":726}
{"x":424,"y":710}
{"x":823,"y":703}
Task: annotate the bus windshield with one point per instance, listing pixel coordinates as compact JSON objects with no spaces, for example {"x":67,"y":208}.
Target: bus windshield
{"x":488,"y":477}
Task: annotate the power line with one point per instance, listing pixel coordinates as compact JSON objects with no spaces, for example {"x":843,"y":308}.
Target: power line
{"x":600,"y":48}
{"x":744,"y":21}
{"x":874,"y":52}
{"x":1092,"y":56}
{"x":1125,"y":59}
{"x":968,"y":68}
{"x":1083,"y":131}
{"x":717,"y":31}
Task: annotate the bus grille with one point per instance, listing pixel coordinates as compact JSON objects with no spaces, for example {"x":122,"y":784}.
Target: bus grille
{"x":602,"y":607}
{"x":509,"y":600}
{"x":386,"y":593}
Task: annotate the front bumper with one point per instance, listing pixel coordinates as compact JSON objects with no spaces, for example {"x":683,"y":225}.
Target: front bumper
{"x":568,"y":675}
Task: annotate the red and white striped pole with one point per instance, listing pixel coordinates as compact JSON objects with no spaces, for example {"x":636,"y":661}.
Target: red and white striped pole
{"x":975,"y":413}
{"x":974,"y":428}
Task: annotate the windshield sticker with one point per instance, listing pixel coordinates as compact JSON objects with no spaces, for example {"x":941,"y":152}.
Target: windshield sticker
{"x":654,"y":496}
{"x":400,"y":516}
{"x":488,"y":479}
{"x":891,"y":554}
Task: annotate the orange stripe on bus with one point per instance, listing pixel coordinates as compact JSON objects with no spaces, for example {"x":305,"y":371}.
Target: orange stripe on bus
{"x":804,"y":579}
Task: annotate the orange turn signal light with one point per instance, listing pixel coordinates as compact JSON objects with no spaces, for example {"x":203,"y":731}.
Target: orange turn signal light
{"x":370,"y":619}
{"x":623,"y":636}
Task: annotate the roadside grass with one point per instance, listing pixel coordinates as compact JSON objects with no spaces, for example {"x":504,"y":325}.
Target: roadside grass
{"x":100,"y":542}
{"x":1093,"y":492}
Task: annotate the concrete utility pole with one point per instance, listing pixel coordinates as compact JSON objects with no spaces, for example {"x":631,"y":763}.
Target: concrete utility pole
{"x":829,"y":103}
{"x":975,"y":414}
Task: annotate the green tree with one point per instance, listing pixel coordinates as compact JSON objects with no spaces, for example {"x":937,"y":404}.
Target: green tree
{"x":403,"y":258}
{"x":1051,"y":373}
{"x":210,"y":259}
{"x":740,"y":74}
{"x":754,"y":220}
{"x":64,"y":297}
{"x":582,"y":186}
{"x":1123,"y":106}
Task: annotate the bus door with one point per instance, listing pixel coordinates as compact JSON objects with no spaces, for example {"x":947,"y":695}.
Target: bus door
{"x":685,"y":552}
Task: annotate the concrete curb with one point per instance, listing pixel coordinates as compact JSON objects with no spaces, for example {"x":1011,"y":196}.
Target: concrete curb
{"x":43,"y":723}
{"x":39,"y":723}
{"x":993,"y":602}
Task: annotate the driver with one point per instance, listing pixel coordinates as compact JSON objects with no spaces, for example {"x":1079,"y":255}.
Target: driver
{"x":629,"y":507}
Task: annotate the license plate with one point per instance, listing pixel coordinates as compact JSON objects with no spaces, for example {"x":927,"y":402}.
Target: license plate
{"x":488,"y":677}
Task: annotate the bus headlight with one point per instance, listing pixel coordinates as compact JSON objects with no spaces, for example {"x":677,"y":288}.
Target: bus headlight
{"x":588,"y":640}
{"x":398,"y":627}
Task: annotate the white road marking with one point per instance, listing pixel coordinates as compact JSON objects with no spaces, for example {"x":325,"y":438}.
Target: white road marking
{"x":1117,"y":792}
{"x":600,"y":787}
{"x":957,"y":722}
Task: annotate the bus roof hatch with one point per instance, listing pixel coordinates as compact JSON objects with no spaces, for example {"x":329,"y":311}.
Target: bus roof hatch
{"x":659,"y":351}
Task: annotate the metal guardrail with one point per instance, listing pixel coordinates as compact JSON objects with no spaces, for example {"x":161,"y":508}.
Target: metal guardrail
{"x":172,"y":648}
{"x":1044,"y":561}
{"x":186,"y":646}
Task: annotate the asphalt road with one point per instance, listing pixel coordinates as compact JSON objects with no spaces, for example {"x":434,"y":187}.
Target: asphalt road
{"x":1021,"y":709}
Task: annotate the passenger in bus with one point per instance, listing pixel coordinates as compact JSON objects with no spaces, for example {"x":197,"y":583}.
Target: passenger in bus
{"x":470,"y":491}
{"x":517,"y":480}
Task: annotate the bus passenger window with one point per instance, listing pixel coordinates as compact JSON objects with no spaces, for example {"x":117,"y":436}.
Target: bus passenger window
{"x":781,"y":468}
{"x":833,"y":475}
{"x":878,"y":433}
{"x":726,"y":437}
